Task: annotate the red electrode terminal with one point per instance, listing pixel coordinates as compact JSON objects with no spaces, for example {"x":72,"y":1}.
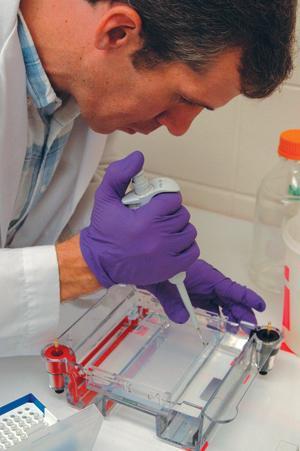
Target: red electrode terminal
{"x":57,"y":357}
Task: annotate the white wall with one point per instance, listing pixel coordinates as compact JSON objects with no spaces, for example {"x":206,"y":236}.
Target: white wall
{"x":220,"y":162}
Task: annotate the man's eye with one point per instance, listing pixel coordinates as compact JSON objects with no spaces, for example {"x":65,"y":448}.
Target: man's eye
{"x":186,"y":101}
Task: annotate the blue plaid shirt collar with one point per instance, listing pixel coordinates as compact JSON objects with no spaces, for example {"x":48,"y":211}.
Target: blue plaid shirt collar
{"x":38,"y":85}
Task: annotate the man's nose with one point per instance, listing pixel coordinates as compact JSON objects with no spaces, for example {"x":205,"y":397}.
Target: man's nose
{"x":179,"y":119}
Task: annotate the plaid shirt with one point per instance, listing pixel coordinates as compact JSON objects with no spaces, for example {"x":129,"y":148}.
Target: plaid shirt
{"x":50,"y":121}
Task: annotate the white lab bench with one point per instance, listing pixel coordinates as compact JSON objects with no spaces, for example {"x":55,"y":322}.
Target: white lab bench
{"x":269,"y":416}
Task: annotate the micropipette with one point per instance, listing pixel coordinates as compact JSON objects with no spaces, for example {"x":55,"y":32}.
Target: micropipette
{"x":142,"y":193}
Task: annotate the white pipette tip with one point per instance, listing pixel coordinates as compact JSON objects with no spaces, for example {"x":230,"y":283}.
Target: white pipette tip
{"x":178,"y":280}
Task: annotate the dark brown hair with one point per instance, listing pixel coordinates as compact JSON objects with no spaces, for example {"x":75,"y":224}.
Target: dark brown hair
{"x":196,"y":31}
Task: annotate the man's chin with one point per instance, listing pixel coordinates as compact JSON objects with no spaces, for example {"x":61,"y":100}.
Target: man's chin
{"x":143,"y":131}
{"x":100,"y":129}
{"x":129,"y":130}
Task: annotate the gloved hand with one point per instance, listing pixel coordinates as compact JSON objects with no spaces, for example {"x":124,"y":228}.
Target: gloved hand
{"x":209,"y":289}
{"x":140,"y":247}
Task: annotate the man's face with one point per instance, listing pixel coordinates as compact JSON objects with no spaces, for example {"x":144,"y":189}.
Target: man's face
{"x":122,"y":97}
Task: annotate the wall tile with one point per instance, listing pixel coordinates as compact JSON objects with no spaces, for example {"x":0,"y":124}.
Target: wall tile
{"x":261,"y":123}
{"x":205,"y":197}
{"x":243,"y":206}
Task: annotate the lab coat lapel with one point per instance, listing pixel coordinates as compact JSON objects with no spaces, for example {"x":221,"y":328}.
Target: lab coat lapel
{"x":13,"y":127}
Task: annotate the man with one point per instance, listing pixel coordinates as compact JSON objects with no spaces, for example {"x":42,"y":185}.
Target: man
{"x":71,"y":69}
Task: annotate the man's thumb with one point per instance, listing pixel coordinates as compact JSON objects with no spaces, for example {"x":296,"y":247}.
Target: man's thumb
{"x":119,"y":174}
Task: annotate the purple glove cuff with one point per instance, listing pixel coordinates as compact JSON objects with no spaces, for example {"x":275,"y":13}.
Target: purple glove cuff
{"x":95,"y":266}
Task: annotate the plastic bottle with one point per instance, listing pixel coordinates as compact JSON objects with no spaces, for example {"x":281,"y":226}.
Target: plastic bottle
{"x":278,"y":199}
{"x":291,"y":310}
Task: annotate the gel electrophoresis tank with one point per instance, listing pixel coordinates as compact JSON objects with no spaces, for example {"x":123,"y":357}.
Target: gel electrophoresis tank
{"x":125,"y":350}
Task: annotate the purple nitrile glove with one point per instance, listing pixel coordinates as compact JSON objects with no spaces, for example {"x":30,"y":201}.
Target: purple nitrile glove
{"x":209,"y":289}
{"x":140,"y":247}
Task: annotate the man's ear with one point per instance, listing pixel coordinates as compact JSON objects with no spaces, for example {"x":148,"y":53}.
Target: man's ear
{"x":120,"y":26}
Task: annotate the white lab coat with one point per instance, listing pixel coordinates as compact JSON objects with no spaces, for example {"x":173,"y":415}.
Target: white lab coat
{"x":29,"y":280}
